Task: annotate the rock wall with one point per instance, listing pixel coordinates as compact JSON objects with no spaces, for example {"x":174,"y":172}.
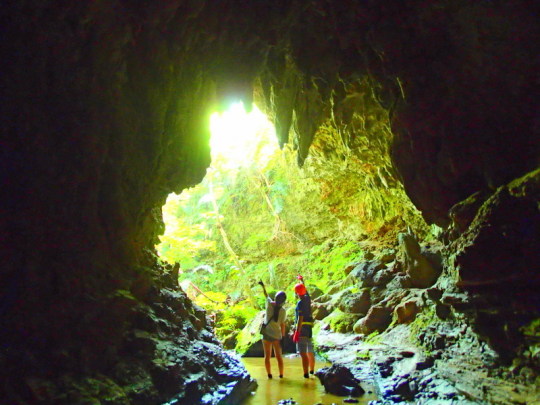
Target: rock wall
{"x":105,"y":111}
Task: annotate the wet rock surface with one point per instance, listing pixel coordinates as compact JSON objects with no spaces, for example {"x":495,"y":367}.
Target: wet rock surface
{"x":338,"y":380}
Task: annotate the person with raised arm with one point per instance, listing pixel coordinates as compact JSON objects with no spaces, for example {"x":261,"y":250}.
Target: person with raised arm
{"x":304,"y":328}
{"x":273,"y":330}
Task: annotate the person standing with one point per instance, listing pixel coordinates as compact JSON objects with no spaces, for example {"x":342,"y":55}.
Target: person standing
{"x":274,"y":330}
{"x":304,"y":328}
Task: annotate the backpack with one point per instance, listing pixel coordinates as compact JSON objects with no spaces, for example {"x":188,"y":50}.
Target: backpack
{"x":264,"y":325}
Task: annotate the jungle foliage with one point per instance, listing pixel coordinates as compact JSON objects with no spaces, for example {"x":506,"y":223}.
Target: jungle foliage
{"x":266,"y":218}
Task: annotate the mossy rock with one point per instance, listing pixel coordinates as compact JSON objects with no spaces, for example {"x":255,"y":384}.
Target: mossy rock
{"x":355,"y":302}
{"x":229,"y":342}
{"x":248,"y":341}
{"x":341,"y":322}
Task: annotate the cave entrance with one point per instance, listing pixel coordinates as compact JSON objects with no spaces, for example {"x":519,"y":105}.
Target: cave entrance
{"x":213,"y":230}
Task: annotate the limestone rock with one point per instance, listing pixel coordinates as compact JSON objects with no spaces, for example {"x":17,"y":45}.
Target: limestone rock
{"x":372,"y":273}
{"x":350,"y":267}
{"x":434,"y":294}
{"x":249,"y":340}
{"x":319,"y":311}
{"x":355,"y":303}
{"x":314,"y":292}
{"x":388,"y":256}
{"x":377,"y":319}
{"x":463,"y":213}
{"x":421,"y":272}
{"x":406,"y":312}
{"x":339,"y":380}
{"x":501,"y":245}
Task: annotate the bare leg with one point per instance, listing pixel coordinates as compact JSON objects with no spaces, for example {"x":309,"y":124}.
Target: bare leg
{"x":267,"y":346}
{"x":311,"y":361}
{"x":277,"y":351}
{"x":305,"y":362}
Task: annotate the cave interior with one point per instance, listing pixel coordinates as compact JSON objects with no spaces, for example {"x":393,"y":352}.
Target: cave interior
{"x":105,"y":109}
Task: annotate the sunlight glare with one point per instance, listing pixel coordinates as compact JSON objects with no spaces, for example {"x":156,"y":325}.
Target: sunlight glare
{"x":240,"y":138}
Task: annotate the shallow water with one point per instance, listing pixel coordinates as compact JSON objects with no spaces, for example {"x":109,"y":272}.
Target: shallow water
{"x":293,"y":385}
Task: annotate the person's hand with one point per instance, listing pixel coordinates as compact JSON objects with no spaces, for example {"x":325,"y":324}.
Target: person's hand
{"x":296,"y":337}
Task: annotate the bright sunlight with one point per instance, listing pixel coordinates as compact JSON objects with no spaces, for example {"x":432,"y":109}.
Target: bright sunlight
{"x":240,"y":138}
{"x":240,"y":142}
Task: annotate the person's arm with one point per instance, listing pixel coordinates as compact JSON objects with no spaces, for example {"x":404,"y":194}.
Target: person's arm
{"x":301,"y":278}
{"x":299,"y":323}
{"x":264,"y":289}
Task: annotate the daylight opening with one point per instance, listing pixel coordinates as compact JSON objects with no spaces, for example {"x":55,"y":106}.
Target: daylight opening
{"x":257,"y":216}
{"x":207,"y":227}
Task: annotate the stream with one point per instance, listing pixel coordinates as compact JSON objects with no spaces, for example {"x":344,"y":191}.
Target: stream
{"x":293,"y":385}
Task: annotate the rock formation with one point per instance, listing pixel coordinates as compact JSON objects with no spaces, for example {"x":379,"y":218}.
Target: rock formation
{"x":105,"y":107}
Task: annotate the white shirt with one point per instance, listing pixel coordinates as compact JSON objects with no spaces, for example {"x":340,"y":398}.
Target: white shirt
{"x":273,"y":328}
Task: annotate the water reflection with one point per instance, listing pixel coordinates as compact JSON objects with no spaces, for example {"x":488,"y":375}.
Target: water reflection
{"x":293,"y":385}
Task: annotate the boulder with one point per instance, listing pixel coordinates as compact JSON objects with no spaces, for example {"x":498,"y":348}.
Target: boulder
{"x":421,"y":272}
{"x":335,"y":288}
{"x":377,"y":319}
{"x":338,"y":380}
{"x":355,"y":303}
{"x":323,"y":298}
{"x":406,"y":312}
{"x":435,"y":294}
{"x":388,"y":255}
{"x":372,"y":273}
{"x":319,"y":311}
{"x":315,"y":293}
{"x":249,"y":343}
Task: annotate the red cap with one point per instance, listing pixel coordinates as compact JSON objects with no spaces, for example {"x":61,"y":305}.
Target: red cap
{"x":300,"y":289}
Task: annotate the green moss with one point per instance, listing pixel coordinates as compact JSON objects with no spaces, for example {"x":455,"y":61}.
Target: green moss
{"x":422,"y":321}
{"x":229,"y":318}
{"x":363,"y":356}
{"x":532,"y":330}
{"x":326,"y":263}
{"x":374,"y":338}
{"x":340,"y":322}
{"x":249,"y":335}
